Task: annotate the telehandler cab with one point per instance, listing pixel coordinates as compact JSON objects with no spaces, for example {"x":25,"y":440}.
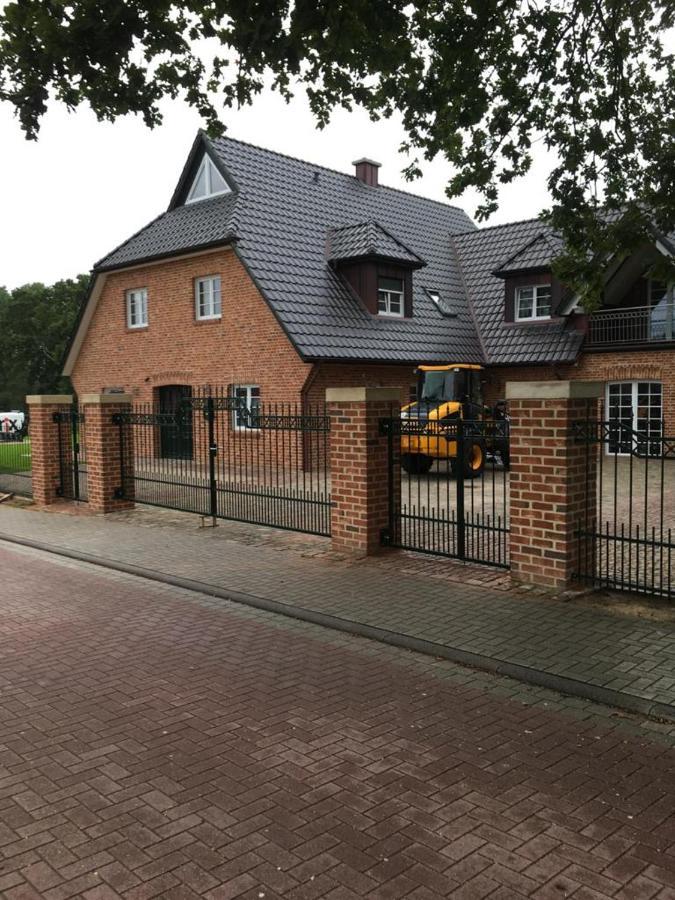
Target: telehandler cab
{"x":449,"y":398}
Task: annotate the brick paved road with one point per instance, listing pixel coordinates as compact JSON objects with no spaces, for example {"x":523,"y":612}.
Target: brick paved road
{"x":154,"y":743}
{"x":632,"y":656}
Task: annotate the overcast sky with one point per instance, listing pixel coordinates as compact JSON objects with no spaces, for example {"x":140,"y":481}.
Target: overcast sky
{"x":85,"y":186}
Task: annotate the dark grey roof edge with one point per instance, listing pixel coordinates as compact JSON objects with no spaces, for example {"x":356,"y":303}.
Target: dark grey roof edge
{"x":227,"y":239}
{"x":306,"y":162}
{"x":526,"y":246}
{"x":97,"y":265}
{"x":467,"y":299}
{"x":271,"y":306}
{"x":478,"y":230}
{"x":401,"y":244}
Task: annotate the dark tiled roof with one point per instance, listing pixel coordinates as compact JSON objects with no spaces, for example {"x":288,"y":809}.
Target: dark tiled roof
{"x":479,"y":254}
{"x":280,"y":213}
{"x":536,"y":253}
{"x":286,"y":208}
{"x":192,"y":226}
{"x":288,"y":217}
{"x":369,"y":239}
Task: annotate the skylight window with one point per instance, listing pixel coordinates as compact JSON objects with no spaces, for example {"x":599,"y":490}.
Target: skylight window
{"x":440,"y":304}
{"x":208,"y":182}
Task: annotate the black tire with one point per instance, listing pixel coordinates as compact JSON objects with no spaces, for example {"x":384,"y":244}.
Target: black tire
{"x":474,"y":459}
{"x":416,"y":463}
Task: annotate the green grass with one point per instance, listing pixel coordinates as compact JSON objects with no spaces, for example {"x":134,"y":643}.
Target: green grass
{"x":15,"y":457}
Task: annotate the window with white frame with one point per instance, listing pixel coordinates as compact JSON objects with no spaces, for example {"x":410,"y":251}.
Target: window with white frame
{"x":207,"y":297}
{"x":137,"y":308}
{"x":208,"y":182}
{"x":244,"y":417}
{"x":390,"y":296}
{"x":533,"y":302}
{"x":635,"y":409}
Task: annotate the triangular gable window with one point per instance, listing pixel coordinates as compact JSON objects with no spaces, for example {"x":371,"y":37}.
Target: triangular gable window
{"x":208,"y":182}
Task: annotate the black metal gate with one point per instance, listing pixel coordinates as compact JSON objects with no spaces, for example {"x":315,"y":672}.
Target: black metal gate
{"x":70,"y":425}
{"x":220,"y":456}
{"x":449,"y":486}
{"x":627,"y":530}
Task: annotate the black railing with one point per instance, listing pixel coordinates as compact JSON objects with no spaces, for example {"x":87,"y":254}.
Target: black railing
{"x":449,"y":490}
{"x":15,"y":455}
{"x":211,"y":454}
{"x":70,"y":425}
{"x":627,"y":530}
{"x":636,"y":325}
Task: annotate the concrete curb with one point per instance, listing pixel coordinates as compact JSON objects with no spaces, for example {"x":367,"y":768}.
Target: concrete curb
{"x":561,"y":683}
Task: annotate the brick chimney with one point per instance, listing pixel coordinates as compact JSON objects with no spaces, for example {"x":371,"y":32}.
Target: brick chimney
{"x":366,"y":171}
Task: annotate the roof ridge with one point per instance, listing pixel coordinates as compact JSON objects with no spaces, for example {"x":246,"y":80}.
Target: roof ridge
{"x":306,"y":162}
{"x":500,"y":225}
{"x":523,"y":247}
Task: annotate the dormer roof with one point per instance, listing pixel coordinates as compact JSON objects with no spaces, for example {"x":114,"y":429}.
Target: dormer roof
{"x":368,"y":240}
{"x":535,"y":254}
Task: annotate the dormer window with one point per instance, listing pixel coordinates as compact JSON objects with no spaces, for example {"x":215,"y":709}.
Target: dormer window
{"x":533,"y":302}
{"x":208,"y":182}
{"x":390,"y":297}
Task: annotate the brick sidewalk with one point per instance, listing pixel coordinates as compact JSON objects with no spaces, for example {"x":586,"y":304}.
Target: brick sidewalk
{"x":158,"y":743}
{"x":540,"y":637}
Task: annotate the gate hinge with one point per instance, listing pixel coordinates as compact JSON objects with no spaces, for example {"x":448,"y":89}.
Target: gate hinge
{"x":385,"y":537}
{"x":385,"y":427}
{"x":118,"y":493}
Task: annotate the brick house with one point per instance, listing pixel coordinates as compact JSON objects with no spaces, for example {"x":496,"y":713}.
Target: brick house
{"x":282,"y":278}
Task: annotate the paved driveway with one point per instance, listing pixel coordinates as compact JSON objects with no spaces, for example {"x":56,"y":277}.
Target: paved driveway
{"x":154,"y":743}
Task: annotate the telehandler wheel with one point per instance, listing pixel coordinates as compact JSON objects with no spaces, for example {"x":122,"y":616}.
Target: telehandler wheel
{"x":416,"y":463}
{"x":474,"y":459}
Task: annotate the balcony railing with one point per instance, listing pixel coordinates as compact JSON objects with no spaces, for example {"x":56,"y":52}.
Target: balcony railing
{"x":637,"y":325}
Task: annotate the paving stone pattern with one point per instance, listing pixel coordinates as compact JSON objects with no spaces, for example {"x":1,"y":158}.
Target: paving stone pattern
{"x":636,"y":657}
{"x":155,"y":743}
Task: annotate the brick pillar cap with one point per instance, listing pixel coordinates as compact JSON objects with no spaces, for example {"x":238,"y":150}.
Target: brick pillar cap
{"x":105,"y":398}
{"x":554,"y":390}
{"x":49,"y":399}
{"x":361,"y":394}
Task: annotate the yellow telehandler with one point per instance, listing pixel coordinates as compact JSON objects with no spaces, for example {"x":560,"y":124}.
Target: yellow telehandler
{"x":449,"y":398}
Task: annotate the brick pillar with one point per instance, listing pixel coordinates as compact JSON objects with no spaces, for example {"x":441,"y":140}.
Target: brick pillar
{"x":103,"y":452}
{"x":46,"y":464}
{"x":359,"y":466}
{"x":553,"y":480}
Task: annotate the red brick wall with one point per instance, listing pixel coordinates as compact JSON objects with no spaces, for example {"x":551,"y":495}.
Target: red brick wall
{"x":327,"y":375}
{"x":653,"y":365}
{"x":246,"y":346}
{"x":44,"y":434}
{"x":552,"y":486}
{"x":359,"y":461}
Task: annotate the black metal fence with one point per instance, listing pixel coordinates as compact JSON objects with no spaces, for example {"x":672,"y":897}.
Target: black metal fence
{"x":453,"y":496}
{"x":15,"y":455}
{"x":627,"y":532}
{"x":215,"y":454}
{"x":71,"y":425}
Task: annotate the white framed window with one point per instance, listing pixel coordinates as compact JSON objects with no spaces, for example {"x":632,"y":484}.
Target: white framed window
{"x":637,"y":409}
{"x":244,"y":417}
{"x":533,"y":302}
{"x":207,"y":297}
{"x":137,"y":308}
{"x":390,"y":297}
{"x":208,"y":182}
